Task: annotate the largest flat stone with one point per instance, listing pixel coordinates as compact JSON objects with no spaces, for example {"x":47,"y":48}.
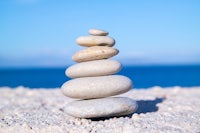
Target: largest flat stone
{"x":96,"y":87}
{"x":104,"y":107}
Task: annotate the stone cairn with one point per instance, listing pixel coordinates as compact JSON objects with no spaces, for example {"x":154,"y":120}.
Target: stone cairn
{"x":93,"y":83}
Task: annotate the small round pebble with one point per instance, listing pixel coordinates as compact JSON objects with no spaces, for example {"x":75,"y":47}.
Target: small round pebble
{"x":94,"y":53}
{"x":93,"y":68}
{"x":98,"y":32}
{"x":103,"y":107}
{"x":96,"y":87}
{"x":89,"y":41}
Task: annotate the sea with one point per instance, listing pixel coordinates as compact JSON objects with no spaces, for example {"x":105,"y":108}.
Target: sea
{"x":142,"y":76}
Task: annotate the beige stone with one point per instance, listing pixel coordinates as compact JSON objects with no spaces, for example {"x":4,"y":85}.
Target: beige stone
{"x":93,"y":68}
{"x":95,"y":53}
{"x":98,"y":32}
{"x":96,"y":87}
{"x":95,"y":41}
{"x":103,"y":107}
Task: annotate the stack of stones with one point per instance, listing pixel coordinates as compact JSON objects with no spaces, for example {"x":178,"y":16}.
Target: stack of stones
{"x":93,"y":84}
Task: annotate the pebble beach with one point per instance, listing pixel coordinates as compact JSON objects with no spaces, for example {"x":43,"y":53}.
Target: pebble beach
{"x":40,"y":110}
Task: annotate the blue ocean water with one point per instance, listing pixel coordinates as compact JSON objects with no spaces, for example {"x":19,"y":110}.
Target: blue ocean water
{"x":142,"y":76}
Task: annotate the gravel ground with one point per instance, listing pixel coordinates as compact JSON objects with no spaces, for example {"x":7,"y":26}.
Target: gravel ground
{"x":169,"y":110}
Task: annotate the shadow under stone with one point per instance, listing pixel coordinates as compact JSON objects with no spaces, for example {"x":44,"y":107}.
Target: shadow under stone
{"x":146,"y":106}
{"x":100,"y":118}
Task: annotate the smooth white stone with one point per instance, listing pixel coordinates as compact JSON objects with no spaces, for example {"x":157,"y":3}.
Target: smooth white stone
{"x":93,"y":68}
{"x":104,"y":107}
{"x":96,"y":87}
{"x":94,"y":53}
{"x":98,"y":32}
{"x":95,"y":41}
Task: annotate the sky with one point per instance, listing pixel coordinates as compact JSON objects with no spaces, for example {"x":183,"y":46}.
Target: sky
{"x":42,"y":33}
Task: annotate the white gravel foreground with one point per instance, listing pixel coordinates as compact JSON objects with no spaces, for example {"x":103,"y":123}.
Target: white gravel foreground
{"x":169,"y":110}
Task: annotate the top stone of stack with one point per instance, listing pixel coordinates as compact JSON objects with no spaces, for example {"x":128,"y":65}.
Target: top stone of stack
{"x":96,"y":38}
{"x":97,"y":32}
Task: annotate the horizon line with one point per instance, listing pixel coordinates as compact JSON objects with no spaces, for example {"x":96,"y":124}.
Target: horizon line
{"x":125,"y":65}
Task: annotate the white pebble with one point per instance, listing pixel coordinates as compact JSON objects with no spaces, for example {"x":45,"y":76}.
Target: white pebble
{"x":93,"y":68}
{"x":96,"y":87}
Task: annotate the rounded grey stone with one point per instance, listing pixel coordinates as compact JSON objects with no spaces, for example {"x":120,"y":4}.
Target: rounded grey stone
{"x":95,"y":53}
{"x":98,"y":32}
{"x":96,"y":87}
{"x":104,"y":107}
{"x":95,"y":41}
{"x":93,"y":68}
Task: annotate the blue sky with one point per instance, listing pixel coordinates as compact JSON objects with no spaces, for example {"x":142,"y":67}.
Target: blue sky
{"x":43,"y":32}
